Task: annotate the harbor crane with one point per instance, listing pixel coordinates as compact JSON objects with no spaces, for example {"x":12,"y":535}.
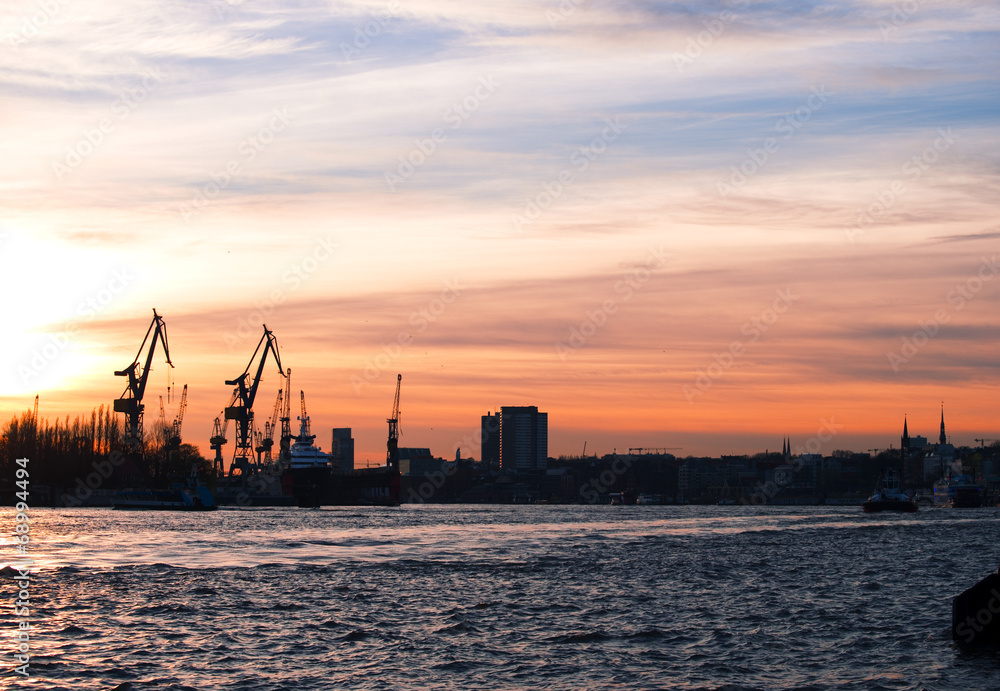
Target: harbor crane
{"x":130,"y":402}
{"x":982,"y":442}
{"x":285,"y":441}
{"x":175,"y":426}
{"x":392,"y":455}
{"x":242,"y":409}
{"x":267,"y":441}
{"x":218,"y":438}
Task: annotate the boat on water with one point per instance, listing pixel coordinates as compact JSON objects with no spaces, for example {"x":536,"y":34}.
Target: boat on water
{"x":959,"y":491}
{"x":889,"y":497}
{"x":179,"y":498}
{"x":309,"y":467}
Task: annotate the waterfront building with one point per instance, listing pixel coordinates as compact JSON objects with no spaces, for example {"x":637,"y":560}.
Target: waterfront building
{"x":524,"y":439}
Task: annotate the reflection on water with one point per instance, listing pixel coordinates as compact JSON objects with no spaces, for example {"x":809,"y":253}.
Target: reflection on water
{"x":505,"y":597}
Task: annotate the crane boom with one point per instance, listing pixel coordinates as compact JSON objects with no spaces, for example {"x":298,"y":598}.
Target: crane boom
{"x":130,"y":402}
{"x":175,"y":437}
{"x":392,"y":445}
{"x":242,"y":410}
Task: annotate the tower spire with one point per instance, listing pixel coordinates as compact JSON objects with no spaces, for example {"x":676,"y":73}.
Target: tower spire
{"x":904,"y":441}
{"x":942,"y":439}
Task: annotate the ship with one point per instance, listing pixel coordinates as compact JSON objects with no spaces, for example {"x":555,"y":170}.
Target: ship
{"x":309,"y":468}
{"x":889,"y":497}
{"x":178,"y":498}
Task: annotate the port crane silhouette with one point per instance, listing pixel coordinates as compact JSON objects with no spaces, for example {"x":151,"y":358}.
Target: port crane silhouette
{"x":392,"y":445}
{"x":130,"y":402}
{"x":241,"y":410}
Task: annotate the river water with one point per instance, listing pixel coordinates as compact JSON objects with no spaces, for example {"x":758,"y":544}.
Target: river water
{"x":500,"y":597}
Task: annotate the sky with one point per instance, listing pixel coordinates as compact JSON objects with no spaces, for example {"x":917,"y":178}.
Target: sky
{"x":697,"y":226}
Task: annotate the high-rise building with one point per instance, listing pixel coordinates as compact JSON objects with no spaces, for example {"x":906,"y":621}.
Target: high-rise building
{"x":342,"y":450}
{"x":524,"y":439}
{"x":490,"y":444}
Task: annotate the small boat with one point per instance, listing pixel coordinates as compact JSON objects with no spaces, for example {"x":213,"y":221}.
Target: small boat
{"x":889,"y":497}
{"x":726,"y":501}
{"x":180,"y":498}
{"x":967,"y":496}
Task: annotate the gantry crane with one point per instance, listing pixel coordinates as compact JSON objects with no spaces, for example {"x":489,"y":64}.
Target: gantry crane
{"x":242,"y":410}
{"x":392,"y":453}
{"x":130,"y":402}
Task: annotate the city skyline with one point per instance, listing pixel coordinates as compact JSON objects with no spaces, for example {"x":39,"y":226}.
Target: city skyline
{"x":703,"y":226}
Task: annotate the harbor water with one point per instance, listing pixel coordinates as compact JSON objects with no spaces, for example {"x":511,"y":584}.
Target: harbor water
{"x":500,"y":597}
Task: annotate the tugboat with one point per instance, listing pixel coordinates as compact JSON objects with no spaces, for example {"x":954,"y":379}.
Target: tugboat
{"x":889,"y":497}
{"x":965,"y":493}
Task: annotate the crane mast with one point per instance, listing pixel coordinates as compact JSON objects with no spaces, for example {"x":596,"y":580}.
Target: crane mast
{"x":267,"y":443}
{"x":218,"y":437}
{"x":130,"y":402}
{"x":285,"y":442}
{"x":175,"y":426}
{"x":392,"y":453}
{"x":242,"y":410}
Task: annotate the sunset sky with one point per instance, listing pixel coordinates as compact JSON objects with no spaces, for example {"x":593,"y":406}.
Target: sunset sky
{"x":697,"y":225}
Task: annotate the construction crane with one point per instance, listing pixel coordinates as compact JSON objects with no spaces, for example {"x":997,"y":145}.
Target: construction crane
{"x":392,"y":455}
{"x":982,"y":442}
{"x":130,"y":402}
{"x":175,"y":426}
{"x":285,"y":441}
{"x":218,"y":438}
{"x":267,"y":441}
{"x":242,"y":410}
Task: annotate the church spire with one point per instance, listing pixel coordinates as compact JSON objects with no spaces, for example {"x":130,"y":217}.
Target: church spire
{"x":904,"y":441}
{"x":942,"y":439}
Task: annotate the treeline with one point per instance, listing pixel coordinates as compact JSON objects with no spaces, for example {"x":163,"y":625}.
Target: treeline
{"x":63,"y":450}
